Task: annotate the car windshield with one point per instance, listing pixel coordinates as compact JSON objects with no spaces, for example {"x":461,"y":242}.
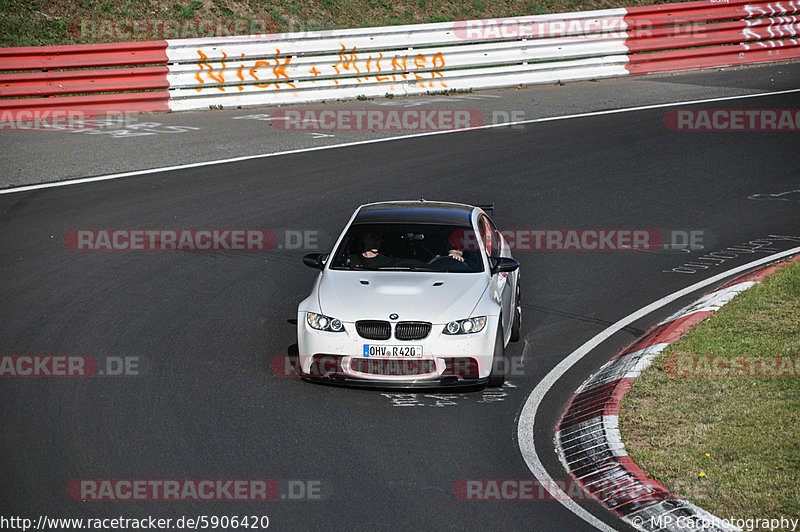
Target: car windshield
{"x":408,"y":247}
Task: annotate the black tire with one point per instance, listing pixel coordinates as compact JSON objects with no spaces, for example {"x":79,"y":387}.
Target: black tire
{"x":498,"y":375}
{"x":515,"y":327}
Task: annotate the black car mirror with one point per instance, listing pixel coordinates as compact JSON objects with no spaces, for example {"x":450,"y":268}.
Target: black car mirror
{"x":315,"y":260}
{"x":503,"y":264}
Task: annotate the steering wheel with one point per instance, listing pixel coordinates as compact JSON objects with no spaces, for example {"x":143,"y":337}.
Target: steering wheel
{"x":452,"y":264}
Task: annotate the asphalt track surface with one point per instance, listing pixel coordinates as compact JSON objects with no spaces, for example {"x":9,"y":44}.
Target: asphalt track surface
{"x":147,"y":140}
{"x":205,"y":326}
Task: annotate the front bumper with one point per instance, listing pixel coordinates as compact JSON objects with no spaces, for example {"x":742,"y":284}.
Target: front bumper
{"x":440,"y":354}
{"x":450,"y":383}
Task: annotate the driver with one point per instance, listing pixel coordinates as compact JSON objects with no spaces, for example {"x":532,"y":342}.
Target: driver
{"x":456,"y":254}
{"x":456,"y":242}
{"x":463,"y":246}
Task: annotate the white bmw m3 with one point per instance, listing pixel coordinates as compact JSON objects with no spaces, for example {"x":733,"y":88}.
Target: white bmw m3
{"x":415,"y":294}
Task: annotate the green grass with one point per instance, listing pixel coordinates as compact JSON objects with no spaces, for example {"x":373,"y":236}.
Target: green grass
{"x":47,"y":22}
{"x":740,"y":432}
{"x":186,"y":10}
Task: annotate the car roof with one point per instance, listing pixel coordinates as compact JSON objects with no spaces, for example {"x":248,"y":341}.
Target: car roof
{"x":422,"y":212}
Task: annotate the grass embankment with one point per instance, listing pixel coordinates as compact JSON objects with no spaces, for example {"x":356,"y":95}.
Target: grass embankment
{"x":730,"y":444}
{"x":46,"y":22}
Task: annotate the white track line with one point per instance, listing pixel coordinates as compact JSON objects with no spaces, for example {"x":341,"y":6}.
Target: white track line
{"x":386,"y":139}
{"x":528,"y":414}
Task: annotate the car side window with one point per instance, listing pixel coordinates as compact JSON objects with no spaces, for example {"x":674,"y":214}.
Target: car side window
{"x":497,"y":239}
{"x":487,"y":234}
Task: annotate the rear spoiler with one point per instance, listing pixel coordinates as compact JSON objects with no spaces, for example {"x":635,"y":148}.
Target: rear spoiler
{"x":488,"y":207}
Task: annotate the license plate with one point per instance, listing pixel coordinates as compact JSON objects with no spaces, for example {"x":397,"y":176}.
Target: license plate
{"x":392,"y":351}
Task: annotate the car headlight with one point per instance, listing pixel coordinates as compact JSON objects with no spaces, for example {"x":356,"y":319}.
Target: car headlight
{"x":468,"y":326}
{"x":324,"y":323}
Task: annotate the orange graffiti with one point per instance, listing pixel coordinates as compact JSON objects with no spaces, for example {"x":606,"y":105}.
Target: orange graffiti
{"x":335,"y":67}
{"x":221,"y":77}
{"x":378,"y":64}
{"x":396,"y":66}
{"x":419,"y":62}
{"x":197,"y":76}
{"x":278,"y":71}
{"x":346,"y":62}
{"x":204,"y":64}
{"x":240,"y":75}
{"x":353,"y":59}
{"x":440,"y":64}
{"x":253,"y":74}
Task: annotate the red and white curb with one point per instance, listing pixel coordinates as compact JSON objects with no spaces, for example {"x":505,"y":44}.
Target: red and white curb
{"x":588,"y":440}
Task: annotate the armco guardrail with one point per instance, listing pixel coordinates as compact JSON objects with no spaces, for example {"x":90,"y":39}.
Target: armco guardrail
{"x":322,"y":65}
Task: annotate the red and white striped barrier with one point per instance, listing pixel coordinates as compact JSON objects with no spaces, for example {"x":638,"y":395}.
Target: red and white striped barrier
{"x":286,"y":68}
{"x":588,"y":438}
{"x":39,"y":77}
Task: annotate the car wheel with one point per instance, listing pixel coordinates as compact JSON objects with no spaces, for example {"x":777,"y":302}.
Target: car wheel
{"x":517,"y":316}
{"x":498,"y":375}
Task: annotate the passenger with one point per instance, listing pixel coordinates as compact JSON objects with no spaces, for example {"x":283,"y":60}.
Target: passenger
{"x":463,"y":247}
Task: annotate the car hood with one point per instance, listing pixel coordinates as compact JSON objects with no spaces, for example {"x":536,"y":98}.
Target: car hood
{"x":413,"y":296}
